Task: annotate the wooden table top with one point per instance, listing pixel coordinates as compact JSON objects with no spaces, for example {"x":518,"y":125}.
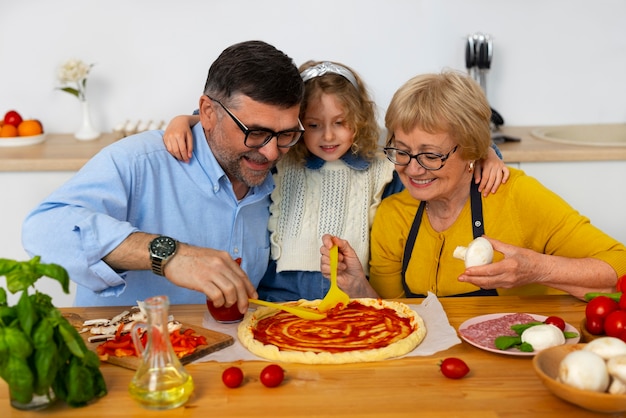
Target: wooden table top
{"x":497,"y":386}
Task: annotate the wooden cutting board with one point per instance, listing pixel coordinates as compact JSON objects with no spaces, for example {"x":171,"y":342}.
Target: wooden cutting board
{"x":215,"y":341}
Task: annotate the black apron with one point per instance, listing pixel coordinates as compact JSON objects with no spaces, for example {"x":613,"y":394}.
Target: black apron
{"x":478,"y":230}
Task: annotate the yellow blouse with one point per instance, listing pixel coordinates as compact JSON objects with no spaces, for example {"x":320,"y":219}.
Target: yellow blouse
{"x":522,"y":212}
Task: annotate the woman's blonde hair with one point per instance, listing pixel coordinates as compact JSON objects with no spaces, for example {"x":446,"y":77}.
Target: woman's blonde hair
{"x":360,"y":110}
{"x":449,"y":102}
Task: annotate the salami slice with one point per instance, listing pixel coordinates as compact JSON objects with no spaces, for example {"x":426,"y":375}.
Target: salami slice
{"x":484,"y":333}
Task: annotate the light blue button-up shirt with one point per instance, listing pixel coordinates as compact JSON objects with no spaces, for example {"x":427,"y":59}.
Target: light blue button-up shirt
{"x":136,"y":185}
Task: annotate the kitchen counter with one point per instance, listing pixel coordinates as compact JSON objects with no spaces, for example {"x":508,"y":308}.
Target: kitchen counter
{"x":62,"y":152}
{"x":532,"y":149}
{"x":498,"y":385}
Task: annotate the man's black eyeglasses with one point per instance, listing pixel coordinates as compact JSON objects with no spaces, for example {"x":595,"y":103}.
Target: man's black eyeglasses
{"x":258,"y":138}
{"x":429,"y":160}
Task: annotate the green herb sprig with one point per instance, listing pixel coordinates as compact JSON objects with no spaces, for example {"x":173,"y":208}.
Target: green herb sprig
{"x":39,"y":348}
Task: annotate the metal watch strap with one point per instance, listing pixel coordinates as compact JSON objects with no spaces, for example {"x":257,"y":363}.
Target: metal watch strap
{"x":157,"y":266}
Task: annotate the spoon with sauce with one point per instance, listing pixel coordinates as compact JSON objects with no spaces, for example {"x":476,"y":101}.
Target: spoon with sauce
{"x":335,"y":295}
{"x":300,"y":312}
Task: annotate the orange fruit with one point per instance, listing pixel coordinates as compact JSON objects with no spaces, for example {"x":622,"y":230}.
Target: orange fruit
{"x":29,"y":127}
{"x":8,"y":130}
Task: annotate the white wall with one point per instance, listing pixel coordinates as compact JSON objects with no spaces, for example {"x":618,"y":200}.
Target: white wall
{"x":555,"y":61}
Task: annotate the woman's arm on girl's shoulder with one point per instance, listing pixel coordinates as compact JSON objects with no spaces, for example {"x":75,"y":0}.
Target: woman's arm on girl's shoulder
{"x":490,"y":172}
{"x":178,"y":138}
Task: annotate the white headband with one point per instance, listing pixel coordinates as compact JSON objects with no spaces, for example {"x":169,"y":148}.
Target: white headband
{"x":326,"y":68}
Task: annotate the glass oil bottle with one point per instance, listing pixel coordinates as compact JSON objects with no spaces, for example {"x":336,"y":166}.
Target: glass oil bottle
{"x":161,"y":382}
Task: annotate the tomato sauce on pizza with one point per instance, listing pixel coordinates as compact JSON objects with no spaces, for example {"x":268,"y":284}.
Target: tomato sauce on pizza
{"x":364,"y":330}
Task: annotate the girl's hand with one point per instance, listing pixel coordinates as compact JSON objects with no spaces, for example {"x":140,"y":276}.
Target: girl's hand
{"x":350,"y":276}
{"x":178,"y":138}
{"x":490,"y":173}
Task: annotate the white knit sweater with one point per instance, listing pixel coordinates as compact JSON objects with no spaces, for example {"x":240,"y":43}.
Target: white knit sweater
{"x":335,"y":199}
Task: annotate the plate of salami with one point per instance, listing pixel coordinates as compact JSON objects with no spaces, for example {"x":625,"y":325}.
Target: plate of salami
{"x":481,"y":331}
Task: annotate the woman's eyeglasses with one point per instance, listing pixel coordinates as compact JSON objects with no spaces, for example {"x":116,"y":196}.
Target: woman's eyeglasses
{"x":429,"y":160}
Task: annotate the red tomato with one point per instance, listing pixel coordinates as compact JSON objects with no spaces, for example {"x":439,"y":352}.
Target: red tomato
{"x":272,"y":375}
{"x":615,"y":323}
{"x":13,"y":118}
{"x":556,"y":321}
{"x":621,"y":284}
{"x":232,"y":377}
{"x":454,"y":368}
{"x":595,"y":325}
{"x":600,"y":307}
{"x":622,"y":301}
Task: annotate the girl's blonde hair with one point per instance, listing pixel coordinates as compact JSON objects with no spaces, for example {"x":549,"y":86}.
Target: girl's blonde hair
{"x":360,"y":110}
{"x":449,"y":102}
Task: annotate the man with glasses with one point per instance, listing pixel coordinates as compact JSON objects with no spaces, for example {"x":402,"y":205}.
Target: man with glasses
{"x":135,"y":222}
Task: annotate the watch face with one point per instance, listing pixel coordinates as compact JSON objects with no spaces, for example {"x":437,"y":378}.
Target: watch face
{"x":162,"y":247}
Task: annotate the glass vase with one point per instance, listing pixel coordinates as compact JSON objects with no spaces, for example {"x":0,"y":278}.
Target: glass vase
{"x":86,"y":132}
{"x":36,"y":403}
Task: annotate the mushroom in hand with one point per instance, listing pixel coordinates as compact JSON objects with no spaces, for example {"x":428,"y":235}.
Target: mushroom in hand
{"x":479,"y":252}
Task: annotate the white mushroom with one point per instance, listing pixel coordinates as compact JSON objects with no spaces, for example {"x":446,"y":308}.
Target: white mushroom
{"x":607,"y":347}
{"x":616,"y":367}
{"x":584,"y":370}
{"x":543,"y":336}
{"x":479,"y":252}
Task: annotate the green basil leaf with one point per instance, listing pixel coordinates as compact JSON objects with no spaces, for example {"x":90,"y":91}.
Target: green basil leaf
{"x":526,"y":347}
{"x":520,"y":328}
{"x":504,"y":342}
{"x":26,"y":313}
{"x":56,"y":272}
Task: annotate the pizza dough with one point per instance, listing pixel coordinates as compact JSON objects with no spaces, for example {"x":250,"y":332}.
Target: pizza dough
{"x":365,"y":330}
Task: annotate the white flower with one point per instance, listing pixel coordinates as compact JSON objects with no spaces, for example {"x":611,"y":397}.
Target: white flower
{"x":73,"y":74}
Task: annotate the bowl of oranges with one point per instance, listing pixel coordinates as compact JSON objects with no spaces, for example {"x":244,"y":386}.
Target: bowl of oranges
{"x":16,"y":131}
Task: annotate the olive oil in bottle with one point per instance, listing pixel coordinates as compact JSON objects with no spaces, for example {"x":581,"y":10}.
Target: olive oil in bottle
{"x":167,"y":390}
{"x":161,"y":381}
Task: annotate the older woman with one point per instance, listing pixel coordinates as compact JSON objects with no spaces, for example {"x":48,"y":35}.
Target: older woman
{"x":439,"y":127}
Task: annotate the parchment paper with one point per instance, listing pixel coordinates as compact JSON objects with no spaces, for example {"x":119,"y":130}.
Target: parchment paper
{"x":440,"y":335}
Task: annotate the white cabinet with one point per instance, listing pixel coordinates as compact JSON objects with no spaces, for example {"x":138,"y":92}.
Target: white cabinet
{"x":597,"y":189}
{"x":22,"y":191}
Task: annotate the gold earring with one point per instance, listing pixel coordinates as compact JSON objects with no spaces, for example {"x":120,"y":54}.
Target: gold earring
{"x":354,"y":148}
{"x":471,"y":166}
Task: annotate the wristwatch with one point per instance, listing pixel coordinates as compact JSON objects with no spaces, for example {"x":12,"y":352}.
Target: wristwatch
{"x":162,"y":249}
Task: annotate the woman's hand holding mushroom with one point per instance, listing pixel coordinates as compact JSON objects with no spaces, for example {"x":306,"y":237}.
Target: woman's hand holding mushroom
{"x":520,"y":266}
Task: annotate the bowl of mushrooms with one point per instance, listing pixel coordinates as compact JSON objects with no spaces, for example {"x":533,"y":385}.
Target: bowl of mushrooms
{"x":591,"y":375}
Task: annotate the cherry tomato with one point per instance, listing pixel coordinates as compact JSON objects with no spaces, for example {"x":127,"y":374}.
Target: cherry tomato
{"x":595,"y":325}
{"x":454,"y":368}
{"x":615,"y":323}
{"x":272,"y":375}
{"x":622,"y":301}
{"x":556,"y":321}
{"x":600,"y":307}
{"x":621,"y":284}
{"x":232,"y":377}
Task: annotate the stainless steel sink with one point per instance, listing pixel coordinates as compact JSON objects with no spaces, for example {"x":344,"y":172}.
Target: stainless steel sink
{"x":599,"y":135}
